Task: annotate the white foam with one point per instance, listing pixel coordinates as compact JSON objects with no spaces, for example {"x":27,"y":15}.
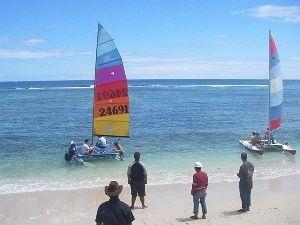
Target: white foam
{"x":157,"y":178}
{"x":60,"y":88}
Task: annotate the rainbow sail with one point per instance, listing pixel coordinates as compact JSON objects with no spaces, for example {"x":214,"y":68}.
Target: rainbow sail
{"x":111,"y":101}
{"x":275,"y":87}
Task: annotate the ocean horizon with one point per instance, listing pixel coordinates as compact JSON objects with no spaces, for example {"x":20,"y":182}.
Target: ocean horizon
{"x":174,"y":122}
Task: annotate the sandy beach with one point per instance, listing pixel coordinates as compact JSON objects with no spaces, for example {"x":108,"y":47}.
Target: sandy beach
{"x":274,"y":201}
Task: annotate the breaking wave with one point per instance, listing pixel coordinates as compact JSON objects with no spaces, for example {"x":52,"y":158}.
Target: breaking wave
{"x":31,"y":185}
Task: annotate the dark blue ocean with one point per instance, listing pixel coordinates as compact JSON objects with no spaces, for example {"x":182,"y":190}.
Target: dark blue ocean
{"x":173,"y":124}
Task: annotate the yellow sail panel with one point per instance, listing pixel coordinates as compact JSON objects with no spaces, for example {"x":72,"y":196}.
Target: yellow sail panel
{"x":111,"y":128}
{"x":121,"y":117}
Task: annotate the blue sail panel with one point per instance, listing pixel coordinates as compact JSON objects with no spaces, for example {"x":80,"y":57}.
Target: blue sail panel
{"x":275,"y":112}
{"x":108,"y":57}
{"x":109,"y":64}
{"x":103,"y":36}
{"x":106,"y":47}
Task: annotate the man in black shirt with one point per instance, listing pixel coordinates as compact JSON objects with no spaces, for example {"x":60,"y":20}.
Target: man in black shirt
{"x":114,"y":211}
{"x":137,"y":178}
{"x":245,"y":174}
{"x":71,"y":151}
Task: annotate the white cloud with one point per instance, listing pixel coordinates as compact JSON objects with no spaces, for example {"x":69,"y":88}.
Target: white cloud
{"x":25,"y":54}
{"x":141,"y":66}
{"x":33,"y":41}
{"x":193,"y":67}
{"x":273,"y":13}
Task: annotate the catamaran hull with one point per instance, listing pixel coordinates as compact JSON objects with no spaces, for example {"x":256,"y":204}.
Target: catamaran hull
{"x":268,"y":148}
{"x":95,"y":157}
{"x":280,"y":147}
{"x":247,"y":145}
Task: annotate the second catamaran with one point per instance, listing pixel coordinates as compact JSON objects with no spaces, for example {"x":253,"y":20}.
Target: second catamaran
{"x":255,"y":143}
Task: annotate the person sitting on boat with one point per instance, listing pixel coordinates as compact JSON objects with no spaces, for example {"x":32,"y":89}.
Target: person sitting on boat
{"x":118,"y":148}
{"x":101,"y":143}
{"x":71,"y":151}
{"x":86,"y":149}
{"x":287,"y":145}
{"x":255,"y":139}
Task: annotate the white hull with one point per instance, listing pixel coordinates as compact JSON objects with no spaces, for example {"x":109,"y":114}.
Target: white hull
{"x":260,"y":149}
{"x":254,"y":148}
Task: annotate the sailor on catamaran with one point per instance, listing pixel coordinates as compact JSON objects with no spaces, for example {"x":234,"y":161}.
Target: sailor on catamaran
{"x":101,"y":143}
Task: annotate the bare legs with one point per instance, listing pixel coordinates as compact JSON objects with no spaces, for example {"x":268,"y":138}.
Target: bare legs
{"x":142,"y":199}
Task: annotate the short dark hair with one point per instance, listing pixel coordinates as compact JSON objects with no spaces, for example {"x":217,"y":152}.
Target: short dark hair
{"x":244,"y":156}
{"x":137,"y":156}
{"x":86,"y":140}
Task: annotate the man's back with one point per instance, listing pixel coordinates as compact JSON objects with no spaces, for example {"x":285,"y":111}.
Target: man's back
{"x":114,"y":212}
{"x":200,"y":181}
{"x":245,"y":174}
{"x":137,"y":171}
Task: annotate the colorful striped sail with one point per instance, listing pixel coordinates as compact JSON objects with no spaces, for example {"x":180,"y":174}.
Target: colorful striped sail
{"x":275,"y":87}
{"x":111,"y":101}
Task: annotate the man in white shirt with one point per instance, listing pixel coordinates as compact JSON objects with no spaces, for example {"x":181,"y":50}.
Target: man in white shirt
{"x":86,"y":149}
{"x":101,"y":143}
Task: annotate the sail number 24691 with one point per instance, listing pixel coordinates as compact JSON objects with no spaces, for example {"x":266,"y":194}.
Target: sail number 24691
{"x":113,"y":110}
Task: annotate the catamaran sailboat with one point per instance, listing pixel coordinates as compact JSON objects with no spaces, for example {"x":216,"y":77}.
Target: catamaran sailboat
{"x":256,"y":144}
{"x":111,"y":116}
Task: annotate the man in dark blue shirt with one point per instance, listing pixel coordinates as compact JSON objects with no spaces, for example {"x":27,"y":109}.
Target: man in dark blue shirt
{"x":245,"y":174}
{"x":114,"y":211}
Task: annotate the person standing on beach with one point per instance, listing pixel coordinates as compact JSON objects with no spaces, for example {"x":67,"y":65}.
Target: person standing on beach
{"x":114,"y":211}
{"x":199,"y":186}
{"x":137,"y":178}
{"x":245,"y":174}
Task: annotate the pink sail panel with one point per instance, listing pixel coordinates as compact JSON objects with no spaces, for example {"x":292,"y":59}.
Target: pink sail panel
{"x":110,"y":74}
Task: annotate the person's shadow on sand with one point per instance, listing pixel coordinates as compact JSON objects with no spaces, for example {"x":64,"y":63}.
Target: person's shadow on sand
{"x":232,"y":213}
{"x":185,"y":219}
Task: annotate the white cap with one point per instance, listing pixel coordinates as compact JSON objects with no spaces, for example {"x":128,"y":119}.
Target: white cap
{"x":198,"y":165}
{"x":72,"y":143}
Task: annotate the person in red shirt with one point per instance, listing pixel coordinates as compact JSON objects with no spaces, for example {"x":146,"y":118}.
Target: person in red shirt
{"x":199,"y":186}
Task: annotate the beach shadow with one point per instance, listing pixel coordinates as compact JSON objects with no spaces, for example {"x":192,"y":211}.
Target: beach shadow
{"x":185,"y":219}
{"x":232,"y":213}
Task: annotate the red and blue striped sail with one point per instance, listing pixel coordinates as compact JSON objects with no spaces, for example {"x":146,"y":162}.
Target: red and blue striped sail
{"x":275,"y":86}
{"x":111,"y":101}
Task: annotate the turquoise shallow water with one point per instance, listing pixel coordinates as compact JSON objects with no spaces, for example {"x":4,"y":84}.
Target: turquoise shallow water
{"x":173,"y":123}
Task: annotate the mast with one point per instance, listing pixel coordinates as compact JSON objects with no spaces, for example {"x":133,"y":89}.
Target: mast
{"x":95,"y":85}
{"x":269,"y":105}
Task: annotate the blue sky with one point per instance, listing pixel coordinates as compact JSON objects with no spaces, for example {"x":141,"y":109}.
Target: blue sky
{"x":55,"y":40}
